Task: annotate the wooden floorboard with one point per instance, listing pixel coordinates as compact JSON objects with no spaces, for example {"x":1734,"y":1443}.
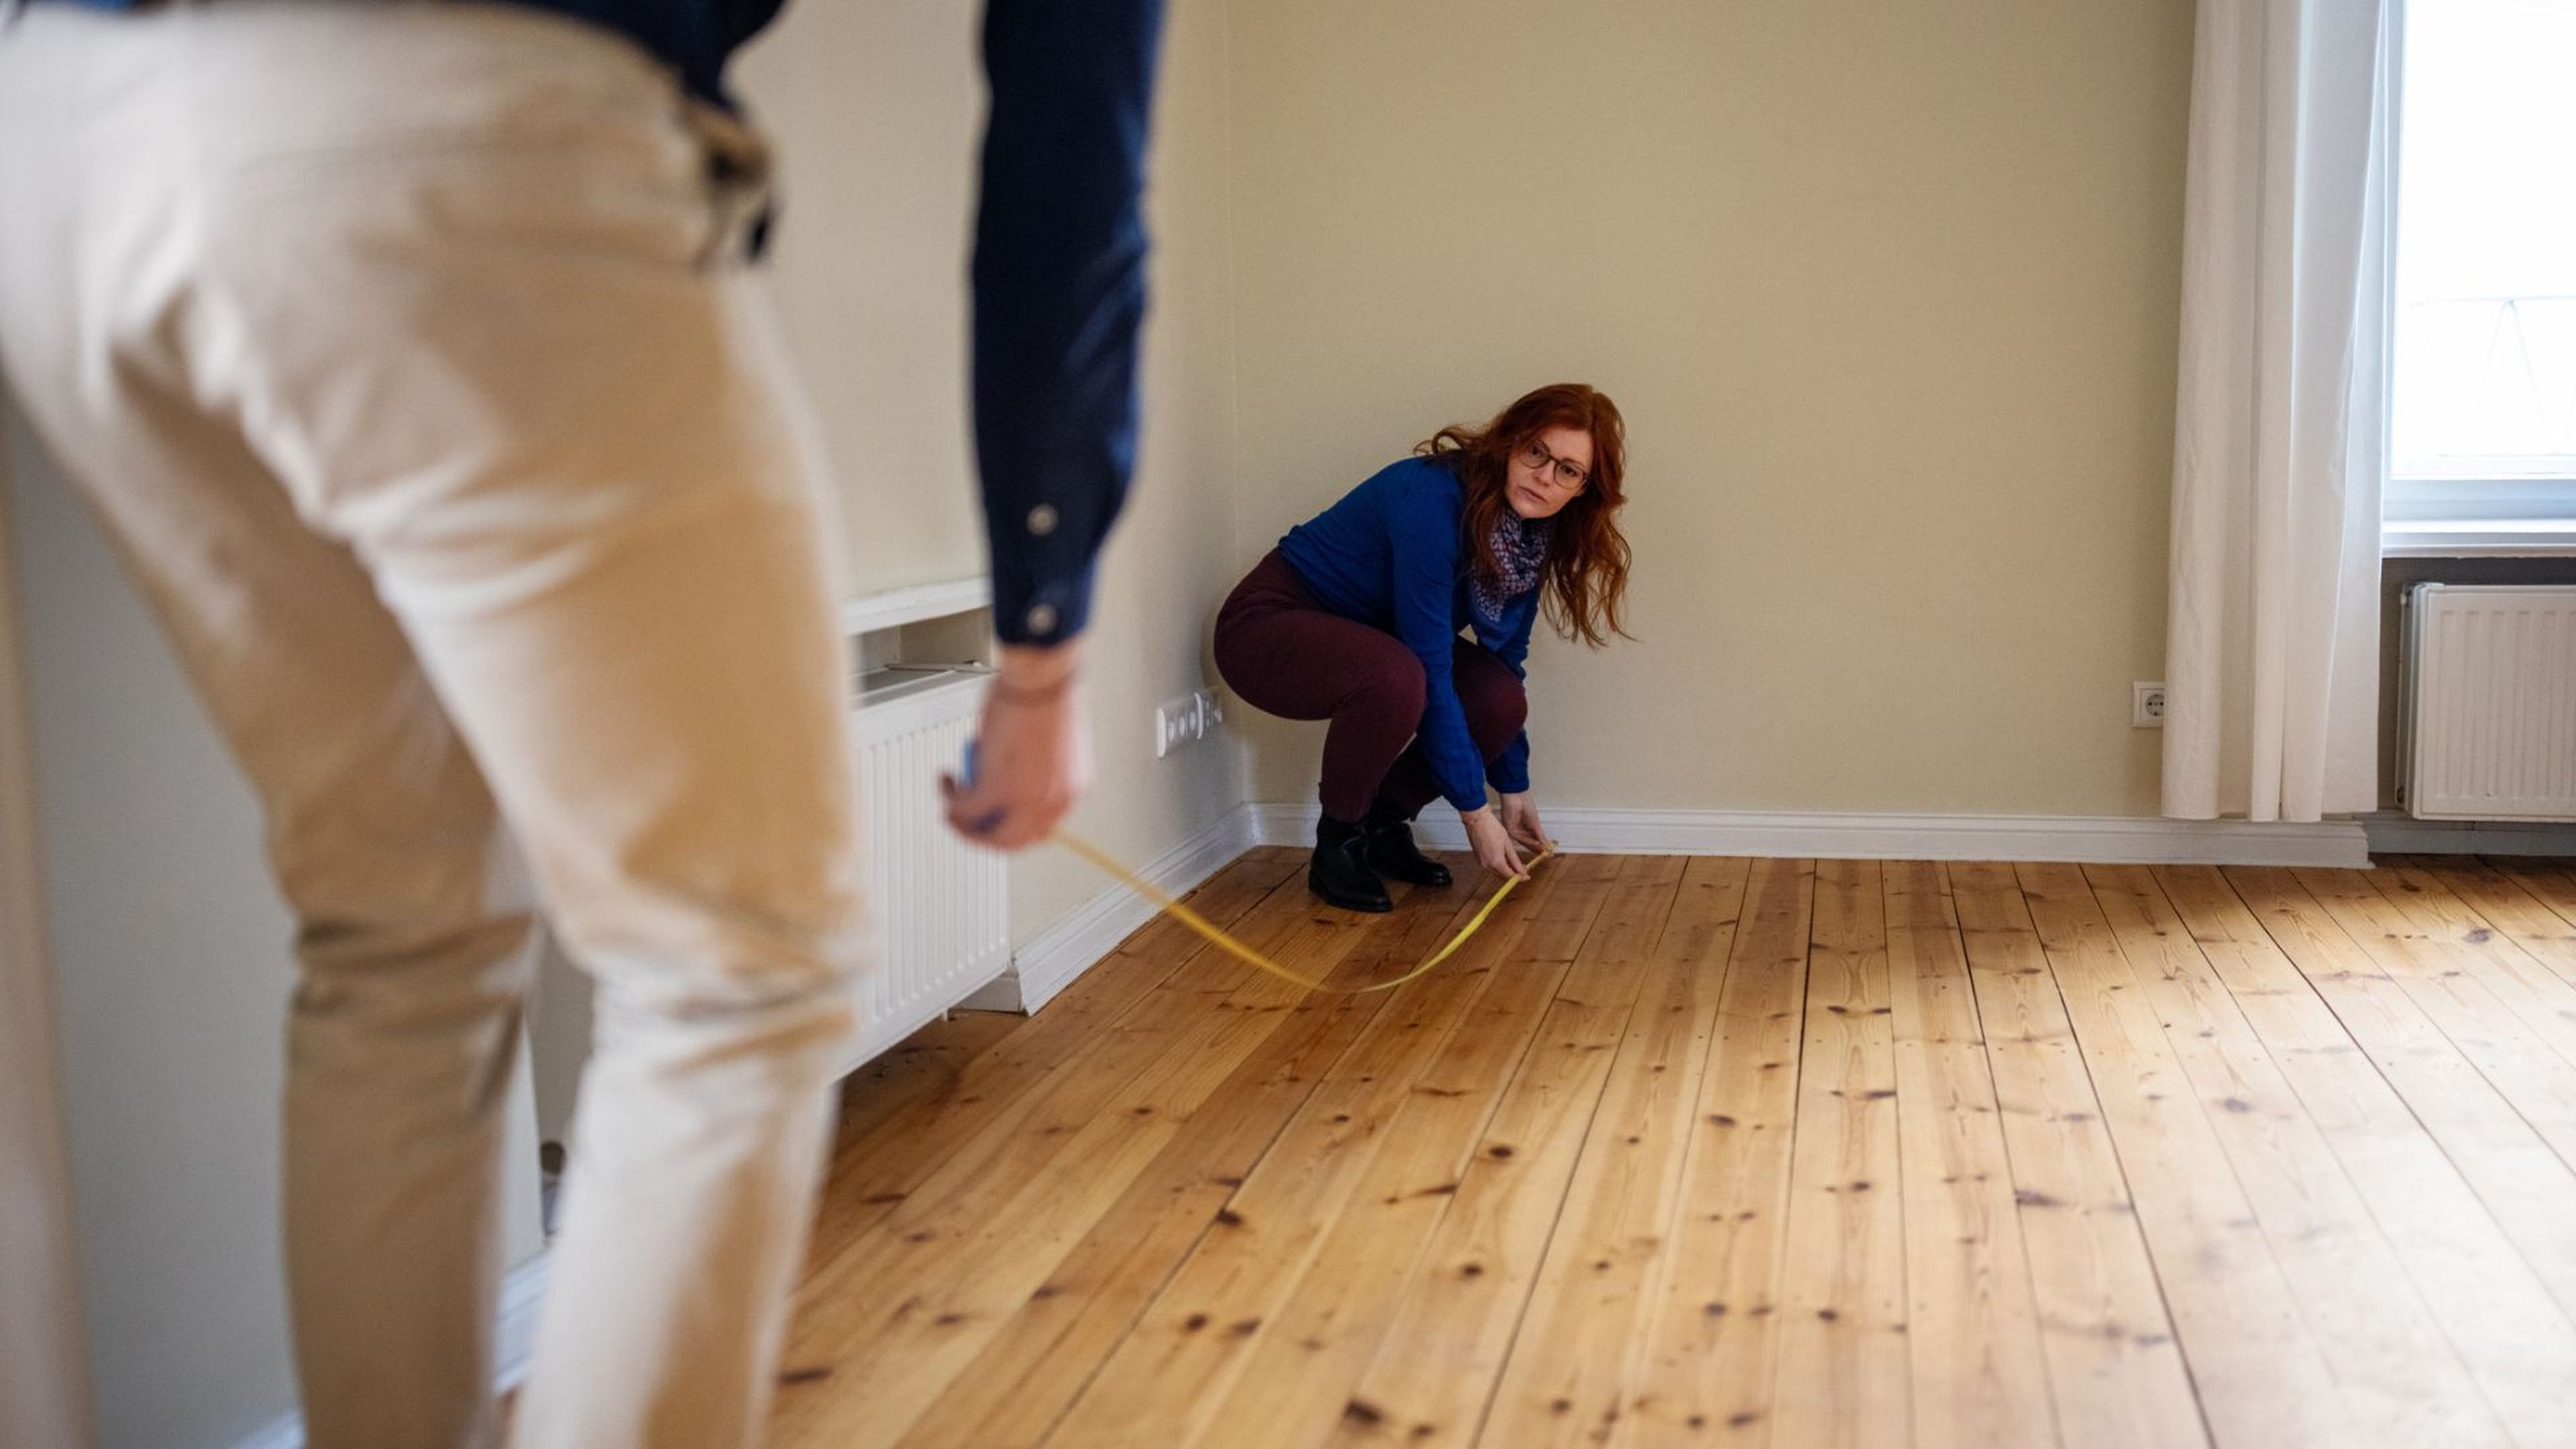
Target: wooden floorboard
{"x":1168,"y":1378}
{"x":1454,"y":1316}
{"x":1843,"y":1377}
{"x":1576,"y":1353}
{"x":2480,"y":928}
{"x":1712,"y":1321}
{"x":876,"y":1167}
{"x":2547,"y":882}
{"x":2483,"y":1011}
{"x":2261,"y":1374}
{"x":2482,"y":1294}
{"x":1053,"y":1346}
{"x":2386,"y":1353}
{"x":2515,"y":908}
{"x":1973,"y":1335}
{"x":2116,"y":1371}
{"x":932,"y":1281}
{"x":2526,"y":1188}
{"x":1737,"y":1152}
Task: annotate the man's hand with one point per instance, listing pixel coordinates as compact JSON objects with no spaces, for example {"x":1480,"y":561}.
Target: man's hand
{"x":1033,"y":751}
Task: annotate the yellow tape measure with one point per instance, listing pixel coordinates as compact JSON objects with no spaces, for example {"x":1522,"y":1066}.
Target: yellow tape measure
{"x":1217,"y":936}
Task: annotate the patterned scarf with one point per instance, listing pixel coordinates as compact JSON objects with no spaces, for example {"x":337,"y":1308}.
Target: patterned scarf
{"x":1520,"y":546}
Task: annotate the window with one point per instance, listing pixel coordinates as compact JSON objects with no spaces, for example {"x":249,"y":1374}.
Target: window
{"x":2483,"y":404}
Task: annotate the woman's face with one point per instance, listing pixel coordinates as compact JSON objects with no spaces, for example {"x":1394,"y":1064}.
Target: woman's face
{"x":1549,"y":472}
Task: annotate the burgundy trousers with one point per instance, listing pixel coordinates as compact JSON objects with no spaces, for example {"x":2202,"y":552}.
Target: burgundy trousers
{"x":1282,"y":652}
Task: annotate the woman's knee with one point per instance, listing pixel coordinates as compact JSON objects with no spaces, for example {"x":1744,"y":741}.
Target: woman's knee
{"x":1496,"y":702}
{"x":1393,"y":683}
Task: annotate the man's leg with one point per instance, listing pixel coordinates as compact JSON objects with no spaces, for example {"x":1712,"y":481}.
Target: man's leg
{"x":463,"y":299}
{"x":404,"y":1019}
{"x":511,"y":358}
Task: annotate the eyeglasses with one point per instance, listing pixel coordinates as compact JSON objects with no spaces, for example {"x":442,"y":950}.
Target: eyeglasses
{"x":1567,"y":474}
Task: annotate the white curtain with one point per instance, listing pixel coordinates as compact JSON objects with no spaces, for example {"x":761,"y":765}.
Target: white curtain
{"x":2272,"y":650}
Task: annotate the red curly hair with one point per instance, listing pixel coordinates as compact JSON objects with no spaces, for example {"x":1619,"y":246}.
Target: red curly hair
{"x":1585,"y":578}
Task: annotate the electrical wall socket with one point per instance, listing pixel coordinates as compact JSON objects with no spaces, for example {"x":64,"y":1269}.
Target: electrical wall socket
{"x":1183,"y":721}
{"x":2147,"y":704}
{"x":1172,"y":723}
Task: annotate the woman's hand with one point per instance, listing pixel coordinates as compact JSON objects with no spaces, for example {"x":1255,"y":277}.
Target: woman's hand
{"x":1492,"y":844}
{"x":1520,"y":821}
{"x":1032,"y":751}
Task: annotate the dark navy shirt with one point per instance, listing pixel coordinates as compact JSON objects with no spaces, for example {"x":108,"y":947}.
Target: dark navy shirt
{"x":1058,"y":272}
{"x":1392,"y":554}
{"x":694,"y":37}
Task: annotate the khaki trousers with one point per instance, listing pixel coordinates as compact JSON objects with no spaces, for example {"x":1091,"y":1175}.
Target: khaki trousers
{"x":407,"y":352}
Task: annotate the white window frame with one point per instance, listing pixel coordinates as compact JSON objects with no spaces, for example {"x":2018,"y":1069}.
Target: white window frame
{"x":2483,"y":507}
{"x":2449,"y":513}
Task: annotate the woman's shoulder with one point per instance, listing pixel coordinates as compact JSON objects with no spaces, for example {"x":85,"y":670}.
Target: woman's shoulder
{"x":1420,"y":480}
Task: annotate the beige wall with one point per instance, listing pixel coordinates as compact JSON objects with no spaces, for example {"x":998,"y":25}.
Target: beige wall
{"x":878,"y":111}
{"x":1889,"y":295}
{"x":1170,"y":561}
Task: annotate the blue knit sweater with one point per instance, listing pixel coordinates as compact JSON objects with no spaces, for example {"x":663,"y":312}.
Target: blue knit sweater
{"x":1392,"y":554}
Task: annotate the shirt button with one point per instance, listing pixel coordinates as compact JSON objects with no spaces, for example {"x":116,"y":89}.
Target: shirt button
{"x":1042,"y":519}
{"x":1042,"y":618}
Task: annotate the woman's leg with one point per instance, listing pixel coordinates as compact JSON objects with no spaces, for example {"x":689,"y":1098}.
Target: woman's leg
{"x":1496,"y":704}
{"x":1282,"y":653}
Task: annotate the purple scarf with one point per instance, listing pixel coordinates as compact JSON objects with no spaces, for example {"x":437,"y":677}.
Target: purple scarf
{"x":1520,"y":547}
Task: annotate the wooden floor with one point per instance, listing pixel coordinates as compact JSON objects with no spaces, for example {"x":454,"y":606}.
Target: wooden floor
{"x":1727,"y":1151}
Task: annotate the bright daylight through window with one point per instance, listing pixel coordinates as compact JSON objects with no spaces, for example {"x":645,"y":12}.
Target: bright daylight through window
{"x":2483,"y":409}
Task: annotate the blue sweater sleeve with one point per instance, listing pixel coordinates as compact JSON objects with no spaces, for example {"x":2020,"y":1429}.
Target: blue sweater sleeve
{"x":1059,"y":283}
{"x":1510,"y":770}
{"x":1423,"y":532}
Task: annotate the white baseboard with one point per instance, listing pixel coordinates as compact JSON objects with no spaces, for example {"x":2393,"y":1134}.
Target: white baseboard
{"x":1063,"y":951}
{"x":2103,"y":840}
{"x":1055,"y":956}
{"x":2393,"y":832}
{"x":512,"y":1343}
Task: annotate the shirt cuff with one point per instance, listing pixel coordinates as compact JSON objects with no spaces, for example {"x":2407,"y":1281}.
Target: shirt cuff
{"x":1047,"y":612}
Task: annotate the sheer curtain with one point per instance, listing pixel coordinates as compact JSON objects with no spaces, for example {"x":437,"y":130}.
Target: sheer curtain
{"x":2272,"y":649}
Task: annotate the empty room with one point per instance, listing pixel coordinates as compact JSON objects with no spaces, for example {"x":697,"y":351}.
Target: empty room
{"x":1104,"y":723}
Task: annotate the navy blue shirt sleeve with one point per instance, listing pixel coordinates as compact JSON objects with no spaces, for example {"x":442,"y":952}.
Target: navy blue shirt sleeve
{"x":1422,"y":529}
{"x":1059,"y":283}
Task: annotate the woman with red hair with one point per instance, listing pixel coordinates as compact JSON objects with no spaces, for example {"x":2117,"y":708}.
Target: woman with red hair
{"x":1355,"y":618}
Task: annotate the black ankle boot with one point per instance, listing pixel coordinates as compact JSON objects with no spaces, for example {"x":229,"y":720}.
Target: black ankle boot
{"x":1339,"y":875}
{"x":1390,"y":850}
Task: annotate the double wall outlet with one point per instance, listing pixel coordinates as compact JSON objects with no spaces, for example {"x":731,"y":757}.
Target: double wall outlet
{"x":1182,"y":721}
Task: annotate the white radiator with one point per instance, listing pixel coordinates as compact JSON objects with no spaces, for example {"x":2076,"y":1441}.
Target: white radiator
{"x":938,"y":909}
{"x":2488,"y":718}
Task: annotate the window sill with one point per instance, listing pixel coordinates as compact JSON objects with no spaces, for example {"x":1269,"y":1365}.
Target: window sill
{"x":2478,"y":538}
